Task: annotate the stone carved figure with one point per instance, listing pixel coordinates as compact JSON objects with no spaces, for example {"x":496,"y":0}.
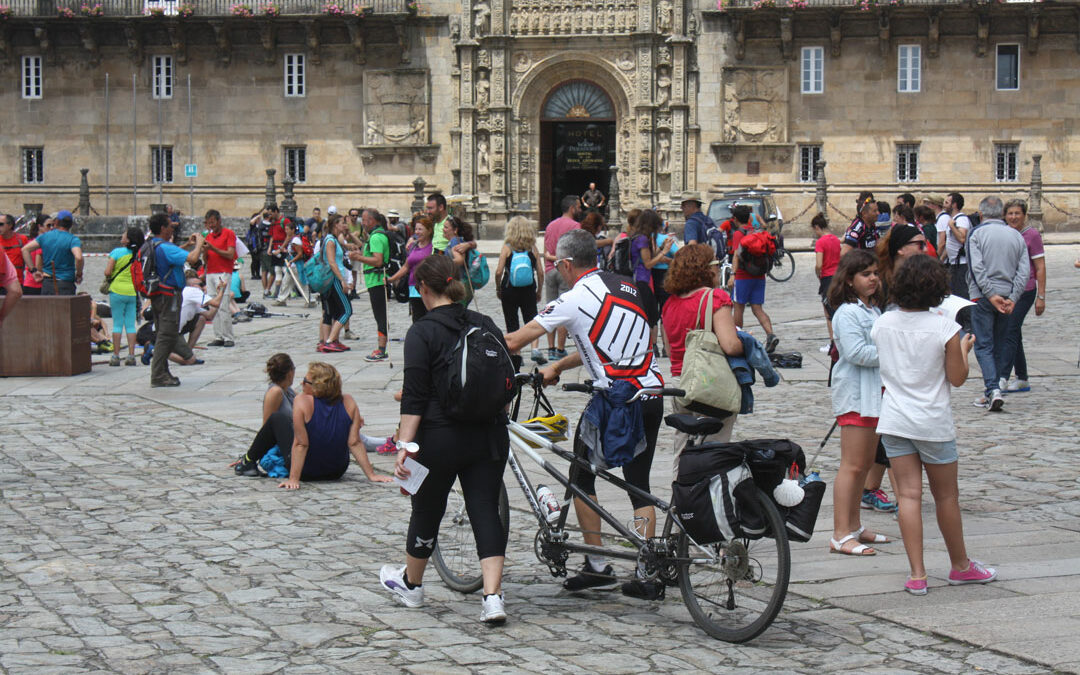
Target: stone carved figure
{"x":483,"y":157}
{"x":455,"y":28}
{"x":663,"y":86}
{"x":755,"y":105}
{"x":481,"y":18}
{"x":522,"y":62}
{"x":625,"y":61}
{"x":396,"y":107}
{"x":663,"y":153}
{"x":483,"y":89}
{"x":664,"y":16}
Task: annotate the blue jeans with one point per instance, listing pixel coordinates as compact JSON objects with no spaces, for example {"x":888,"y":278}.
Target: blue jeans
{"x":990,"y":327}
{"x":1012,"y":352}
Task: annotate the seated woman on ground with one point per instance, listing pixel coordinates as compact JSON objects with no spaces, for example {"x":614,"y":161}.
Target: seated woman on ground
{"x":316,"y":440}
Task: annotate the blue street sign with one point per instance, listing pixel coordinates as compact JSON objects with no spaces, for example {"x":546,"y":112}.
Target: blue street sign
{"x":191,"y":171}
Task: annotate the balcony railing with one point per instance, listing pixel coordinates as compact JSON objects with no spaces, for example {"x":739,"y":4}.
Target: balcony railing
{"x":130,"y":8}
{"x":857,"y":4}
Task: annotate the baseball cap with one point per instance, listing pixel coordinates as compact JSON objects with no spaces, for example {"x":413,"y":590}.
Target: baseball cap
{"x":331,"y":209}
{"x":63,"y":214}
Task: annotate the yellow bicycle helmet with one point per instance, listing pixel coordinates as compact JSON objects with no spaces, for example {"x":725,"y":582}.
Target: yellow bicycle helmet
{"x":553,"y":428}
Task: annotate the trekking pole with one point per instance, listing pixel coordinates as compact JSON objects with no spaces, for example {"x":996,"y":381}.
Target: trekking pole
{"x":822,"y":446}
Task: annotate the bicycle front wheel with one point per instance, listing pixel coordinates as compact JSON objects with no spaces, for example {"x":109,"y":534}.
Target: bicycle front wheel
{"x":784,"y":267}
{"x":737,"y":596}
{"x":455,"y":557}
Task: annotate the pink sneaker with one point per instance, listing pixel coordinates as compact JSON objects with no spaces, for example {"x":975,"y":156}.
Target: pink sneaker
{"x":976,"y":573}
{"x":916,"y":586}
{"x":389,"y":447}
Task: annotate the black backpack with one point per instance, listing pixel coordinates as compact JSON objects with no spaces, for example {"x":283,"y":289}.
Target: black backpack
{"x":397,"y":252}
{"x":620,"y":262}
{"x":479,"y":372}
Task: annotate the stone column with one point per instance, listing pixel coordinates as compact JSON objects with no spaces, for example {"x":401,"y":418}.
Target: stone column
{"x":271,"y":190}
{"x":84,"y":193}
{"x":1035,"y":212}
{"x":418,"y":185}
{"x":614,"y":204}
{"x":821,"y":190}
{"x":288,"y":204}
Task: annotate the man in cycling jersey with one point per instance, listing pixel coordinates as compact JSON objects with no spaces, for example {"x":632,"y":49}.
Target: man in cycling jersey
{"x":605,"y":315}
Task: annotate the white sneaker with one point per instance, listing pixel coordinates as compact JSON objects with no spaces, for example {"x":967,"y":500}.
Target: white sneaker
{"x":1017,"y":386}
{"x":997,"y":401}
{"x":824,"y":349}
{"x":493,"y":610}
{"x":1003,"y":384}
{"x":392,"y":578}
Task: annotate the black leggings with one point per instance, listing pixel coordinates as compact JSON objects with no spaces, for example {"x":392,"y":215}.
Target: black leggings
{"x":516,"y":300}
{"x":416,"y":307}
{"x":447,"y":458}
{"x":278,"y":430}
{"x":377,"y":295}
{"x":636,"y":472}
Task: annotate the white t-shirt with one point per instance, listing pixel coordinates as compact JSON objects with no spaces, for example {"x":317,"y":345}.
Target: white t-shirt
{"x":603,"y":312}
{"x":953,"y":247}
{"x":191,"y":303}
{"x":911,"y":353}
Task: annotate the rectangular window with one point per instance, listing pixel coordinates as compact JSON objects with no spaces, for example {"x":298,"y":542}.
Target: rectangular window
{"x":813,"y":70}
{"x":1006,"y":166}
{"x":296,"y":163}
{"x":31,"y":77}
{"x":1008,"y":67}
{"x":808,"y":159}
{"x":295,"y":75}
{"x":162,"y":76}
{"x":909,"y":68}
{"x":907,"y":162}
{"x":33,"y":160}
{"x":161,"y":163}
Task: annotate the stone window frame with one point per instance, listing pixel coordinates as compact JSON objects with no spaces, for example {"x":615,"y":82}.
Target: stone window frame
{"x":161,"y":164}
{"x":809,"y":57}
{"x":809,"y":156}
{"x":997,"y":65}
{"x":295,"y":75}
{"x":909,"y":76}
{"x":1006,"y":162}
{"x":33,"y":73}
{"x":162,"y":74}
{"x":907,"y":162}
{"x":33,"y":164}
{"x":295,"y":154}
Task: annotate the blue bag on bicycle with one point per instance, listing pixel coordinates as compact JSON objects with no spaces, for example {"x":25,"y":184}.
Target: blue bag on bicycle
{"x":612,"y":429}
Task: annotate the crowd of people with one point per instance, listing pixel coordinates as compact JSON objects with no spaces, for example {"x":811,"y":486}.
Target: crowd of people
{"x":626,"y":297}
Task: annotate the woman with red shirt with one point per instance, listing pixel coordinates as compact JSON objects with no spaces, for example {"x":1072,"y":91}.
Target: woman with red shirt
{"x":693,"y":274}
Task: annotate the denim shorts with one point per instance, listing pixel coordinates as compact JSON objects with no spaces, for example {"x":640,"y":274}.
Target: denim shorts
{"x":930,"y":452}
{"x":750,"y":291}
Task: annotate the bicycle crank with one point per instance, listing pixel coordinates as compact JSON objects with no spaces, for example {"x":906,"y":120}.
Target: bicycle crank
{"x":551,"y":553}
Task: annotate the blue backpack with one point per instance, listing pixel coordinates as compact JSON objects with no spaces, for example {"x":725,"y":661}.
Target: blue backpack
{"x":520,"y":273}
{"x":477,"y":267}
{"x":317,"y":270}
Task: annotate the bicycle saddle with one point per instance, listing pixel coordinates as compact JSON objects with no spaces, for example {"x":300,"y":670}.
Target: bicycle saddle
{"x":695,"y":426}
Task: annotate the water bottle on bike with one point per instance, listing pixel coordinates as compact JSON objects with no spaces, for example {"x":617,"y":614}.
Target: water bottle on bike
{"x":549,"y":503}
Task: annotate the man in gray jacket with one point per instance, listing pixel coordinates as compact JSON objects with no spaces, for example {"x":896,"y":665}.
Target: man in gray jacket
{"x":998,"y":270}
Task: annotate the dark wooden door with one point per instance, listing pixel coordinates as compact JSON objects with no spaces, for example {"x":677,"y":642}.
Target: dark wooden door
{"x":547,"y":130}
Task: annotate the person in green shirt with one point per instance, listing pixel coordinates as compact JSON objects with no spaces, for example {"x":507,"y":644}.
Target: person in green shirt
{"x":374,"y":257}
{"x":436,"y":210}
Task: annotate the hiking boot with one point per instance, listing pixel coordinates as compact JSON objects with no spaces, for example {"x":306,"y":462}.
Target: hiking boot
{"x":129,"y":361}
{"x":171,"y":382}
{"x":493,"y":609}
{"x":392,"y":578}
{"x":643,"y":590}
{"x":770,"y":343}
{"x":377,"y":355}
{"x":247,"y":467}
{"x":877,"y":500}
{"x":588,"y":579}
{"x":218,"y":342}
{"x":976,"y":573}
{"x":114,"y":360}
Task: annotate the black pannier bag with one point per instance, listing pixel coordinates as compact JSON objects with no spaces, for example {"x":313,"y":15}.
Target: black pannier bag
{"x":715,"y":496}
{"x":799,"y":520}
{"x":769,"y":460}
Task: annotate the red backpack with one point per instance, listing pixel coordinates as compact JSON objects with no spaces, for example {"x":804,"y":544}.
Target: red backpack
{"x":144,"y":273}
{"x":306,"y":249}
{"x":757,"y":249}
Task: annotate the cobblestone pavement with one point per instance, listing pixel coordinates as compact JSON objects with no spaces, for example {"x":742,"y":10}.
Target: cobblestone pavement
{"x":128,"y":546}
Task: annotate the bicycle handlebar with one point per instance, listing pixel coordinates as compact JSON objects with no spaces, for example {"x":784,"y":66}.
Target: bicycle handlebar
{"x":588,"y":388}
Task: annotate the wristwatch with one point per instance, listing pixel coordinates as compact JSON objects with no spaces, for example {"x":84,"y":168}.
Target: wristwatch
{"x":1040,"y":297}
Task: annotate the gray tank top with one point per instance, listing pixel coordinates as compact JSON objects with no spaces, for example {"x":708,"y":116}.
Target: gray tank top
{"x":286,"y":401}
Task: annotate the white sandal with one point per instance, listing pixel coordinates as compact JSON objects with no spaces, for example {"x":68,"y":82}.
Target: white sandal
{"x":878,"y":538}
{"x":857,"y":550}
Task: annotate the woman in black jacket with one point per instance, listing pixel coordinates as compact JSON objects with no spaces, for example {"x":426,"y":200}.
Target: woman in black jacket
{"x":475,"y":453}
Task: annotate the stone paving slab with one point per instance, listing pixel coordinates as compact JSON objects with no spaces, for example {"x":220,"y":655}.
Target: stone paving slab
{"x":127,"y":546}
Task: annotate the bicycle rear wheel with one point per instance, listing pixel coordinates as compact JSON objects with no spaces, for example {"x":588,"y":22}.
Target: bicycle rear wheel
{"x":784,"y":267}
{"x":736,"y":597}
{"x":455,"y":557}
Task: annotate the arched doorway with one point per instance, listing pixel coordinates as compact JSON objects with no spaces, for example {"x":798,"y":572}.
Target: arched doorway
{"x":577,"y":143}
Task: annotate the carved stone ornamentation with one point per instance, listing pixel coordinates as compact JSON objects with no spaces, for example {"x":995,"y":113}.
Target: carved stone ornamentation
{"x":755,"y":105}
{"x":576,"y":17}
{"x":133,"y":39}
{"x":481,"y":18}
{"x":311,"y":39}
{"x":934,"y":33}
{"x":356,"y":37}
{"x":982,"y":33}
{"x":483,"y":89}
{"x":625,"y":61}
{"x":665,"y":21}
{"x":221,"y":37}
{"x":663,"y":153}
{"x":663,"y":86}
{"x":835,"y":34}
{"x":522,"y":62}
{"x":396,"y":107}
{"x":663,"y":55}
{"x":90,"y":43}
{"x":268,"y":40}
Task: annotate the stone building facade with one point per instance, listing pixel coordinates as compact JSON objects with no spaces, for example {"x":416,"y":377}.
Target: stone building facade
{"x":510,"y":104}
